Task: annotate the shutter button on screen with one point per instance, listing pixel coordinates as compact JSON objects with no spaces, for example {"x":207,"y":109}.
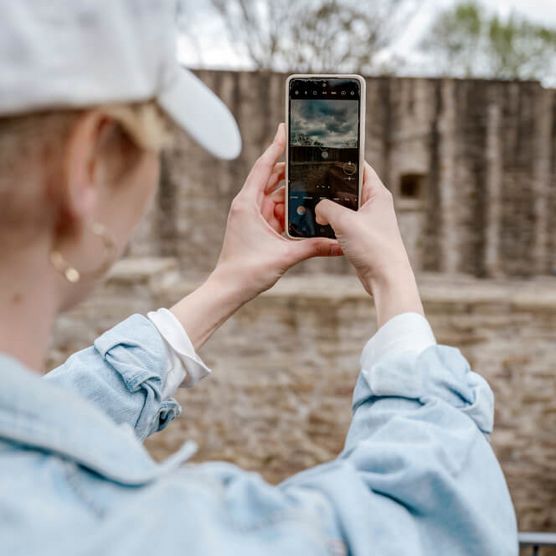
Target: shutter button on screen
{"x":349,"y":168}
{"x":301,"y":210}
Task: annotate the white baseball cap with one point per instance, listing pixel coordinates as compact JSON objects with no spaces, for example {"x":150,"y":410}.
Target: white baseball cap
{"x":79,"y":53}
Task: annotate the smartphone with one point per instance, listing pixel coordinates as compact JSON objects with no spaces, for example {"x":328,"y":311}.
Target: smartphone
{"x":325,"y":121}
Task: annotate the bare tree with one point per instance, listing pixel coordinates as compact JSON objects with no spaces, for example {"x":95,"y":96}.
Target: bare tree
{"x":314,"y":35}
{"x":187,"y":17}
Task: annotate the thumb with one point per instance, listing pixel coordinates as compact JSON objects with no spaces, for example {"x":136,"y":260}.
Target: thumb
{"x":328,"y":212}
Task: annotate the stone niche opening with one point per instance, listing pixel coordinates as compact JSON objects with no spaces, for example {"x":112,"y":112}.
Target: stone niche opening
{"x":412,"y":186}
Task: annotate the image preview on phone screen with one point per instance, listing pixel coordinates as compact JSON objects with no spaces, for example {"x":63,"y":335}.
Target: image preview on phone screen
{"x":323,"y":151}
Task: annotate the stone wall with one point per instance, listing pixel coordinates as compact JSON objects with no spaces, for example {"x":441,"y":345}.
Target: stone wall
{"x":478,"y":159}
{"x":285,"y":365}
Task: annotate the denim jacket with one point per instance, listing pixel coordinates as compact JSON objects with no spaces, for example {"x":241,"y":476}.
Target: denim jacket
{"x":417,"y":475}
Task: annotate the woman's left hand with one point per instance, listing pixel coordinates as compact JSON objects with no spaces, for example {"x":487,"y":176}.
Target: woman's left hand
{"x":254,"y":253}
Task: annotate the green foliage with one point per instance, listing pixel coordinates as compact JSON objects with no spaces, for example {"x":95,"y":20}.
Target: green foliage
{"x":468,"y":41}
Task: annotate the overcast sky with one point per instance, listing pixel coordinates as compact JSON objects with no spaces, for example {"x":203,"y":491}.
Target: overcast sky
{"x":332,"y":123}
{"x":210,"y":47}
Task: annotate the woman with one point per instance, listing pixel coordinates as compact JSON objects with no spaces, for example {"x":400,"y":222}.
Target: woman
{"x":86,"y":92}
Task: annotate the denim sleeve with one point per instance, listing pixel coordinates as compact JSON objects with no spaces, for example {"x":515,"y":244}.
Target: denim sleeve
{"x":417,"y":477}
{"x":124,"y":373}
{"x":417,"y":474}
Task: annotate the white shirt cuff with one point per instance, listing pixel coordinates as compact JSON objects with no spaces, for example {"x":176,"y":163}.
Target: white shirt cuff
{"x":186,"y":367}
{"x":404,"y":333}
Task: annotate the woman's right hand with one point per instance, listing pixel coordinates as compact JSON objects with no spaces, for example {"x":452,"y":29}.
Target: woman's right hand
{"x":370,"y":238}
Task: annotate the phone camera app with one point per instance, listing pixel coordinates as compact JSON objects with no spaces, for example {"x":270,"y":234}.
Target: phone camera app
{"x":323,"y":155}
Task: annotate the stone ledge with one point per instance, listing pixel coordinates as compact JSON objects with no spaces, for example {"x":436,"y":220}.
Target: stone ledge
{"x":141,"y":268}
{"x":538,"y":294}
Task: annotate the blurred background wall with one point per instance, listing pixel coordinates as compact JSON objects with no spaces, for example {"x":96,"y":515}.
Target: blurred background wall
{"x":472,"y":164}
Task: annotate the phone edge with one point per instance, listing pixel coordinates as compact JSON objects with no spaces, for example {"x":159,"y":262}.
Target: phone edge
{"x":362,"y":117}
{"x":287,"y":157}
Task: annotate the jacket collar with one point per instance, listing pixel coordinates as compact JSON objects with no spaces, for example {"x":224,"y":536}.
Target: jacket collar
{"x":42,"y":415}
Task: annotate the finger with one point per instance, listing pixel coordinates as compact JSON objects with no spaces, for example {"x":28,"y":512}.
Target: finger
{"x":316,"y":247}
{"x":280,"y":215}
{"x":269,"y":215}
{"x":273,"y":215}
{"x":279,"y":167}
{"x":372,"y":184}
{"x":276,"y":225}
{"x":262,"y":169}
{"x":269,"y":201}
{"x":280,"y":211}
{"x":278,"y":173}
{"x":267,"y":208}
{"x":329,"y":212}
{"x":278,"y":195}
{"x":276,"y":181}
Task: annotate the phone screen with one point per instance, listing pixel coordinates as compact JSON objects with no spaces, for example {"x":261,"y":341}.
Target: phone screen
{"x":323,"y":149}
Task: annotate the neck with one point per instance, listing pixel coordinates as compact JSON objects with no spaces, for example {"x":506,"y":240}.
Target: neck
{"x":28,"y":306}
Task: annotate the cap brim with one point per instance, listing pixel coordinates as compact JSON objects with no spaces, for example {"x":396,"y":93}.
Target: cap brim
{"x":197,"y":110}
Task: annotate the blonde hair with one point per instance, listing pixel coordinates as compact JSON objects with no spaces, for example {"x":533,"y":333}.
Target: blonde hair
{"x":30,"y":142}
{"x":144,"y":123}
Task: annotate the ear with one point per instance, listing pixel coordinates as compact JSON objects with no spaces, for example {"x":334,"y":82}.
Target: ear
{"x":80,"y":183}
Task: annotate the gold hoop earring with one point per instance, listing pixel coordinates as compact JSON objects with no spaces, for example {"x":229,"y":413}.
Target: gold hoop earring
{"x":70,"y":273}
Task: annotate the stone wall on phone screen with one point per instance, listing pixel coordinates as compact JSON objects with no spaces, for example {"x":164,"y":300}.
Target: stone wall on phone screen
{"x":471,"y":163}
